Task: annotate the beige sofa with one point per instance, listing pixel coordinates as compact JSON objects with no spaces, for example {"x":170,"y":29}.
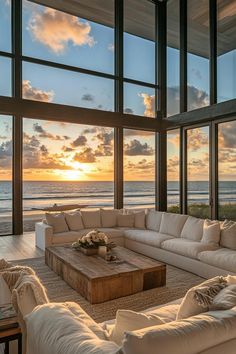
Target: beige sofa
{"x":184,"y":241}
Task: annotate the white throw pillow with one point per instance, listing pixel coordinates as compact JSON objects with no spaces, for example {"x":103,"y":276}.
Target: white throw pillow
{"x":211,"y":232}
{"x":74,"y":220}
{"x":153,"y":220}
{"x":189,"y":307}
{"x":226,"y":299}
{"x":125,"y":220}
{"x":193,"y":229}
{"x":109,"y":217}
{"x":127,"y":320}
{"x":139,"y":218}
{"x":172,"y":224}
{"x":57,"y":221}
{"x":5,"y":294}
{"x":91,"y":218}
{"x":228,"y":234}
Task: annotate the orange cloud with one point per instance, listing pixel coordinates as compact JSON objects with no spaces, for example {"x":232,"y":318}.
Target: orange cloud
{"x":32,"y":93}
{"x":149,"y":103}
{"x":56,"y":29}
{"x":197,"y":139}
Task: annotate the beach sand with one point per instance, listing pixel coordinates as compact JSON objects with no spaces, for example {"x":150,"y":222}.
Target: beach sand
{"x":29,"y":220}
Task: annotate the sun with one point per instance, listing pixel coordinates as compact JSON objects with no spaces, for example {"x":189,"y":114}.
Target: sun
{"x":71,"y":175}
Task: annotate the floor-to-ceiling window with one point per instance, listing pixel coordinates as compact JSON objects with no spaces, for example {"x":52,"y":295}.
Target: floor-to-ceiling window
{"x":66,"y":164}
{"x":173,"y":171}
{"x":139,"y":169}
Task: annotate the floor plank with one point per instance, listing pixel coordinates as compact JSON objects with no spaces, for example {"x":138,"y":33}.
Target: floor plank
{"x":19,"y":247}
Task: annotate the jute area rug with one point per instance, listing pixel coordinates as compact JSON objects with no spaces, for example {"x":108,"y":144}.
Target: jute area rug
{"x":178,"y":282}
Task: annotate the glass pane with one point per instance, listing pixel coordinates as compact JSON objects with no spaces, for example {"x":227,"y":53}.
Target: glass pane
{"x":5,"y":25}
{"x":5,"y":175}
{"x":66,"y":164}
{"x":198,"y":172}
{"x":173,"y":173}
{"x":226,"y":50}
{"x":139,"y":168}
{"x":72,"y":40}
{"x":173,"y":55}
{"x":198,"y":54}
{"x":227,"y":171}
{"x":139,"y":100}
{"x":43,"y":83}
{"x":5,"y":75}
{"x":139,"y":40}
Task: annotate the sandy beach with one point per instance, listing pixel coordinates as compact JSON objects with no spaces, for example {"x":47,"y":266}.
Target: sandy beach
{"x":29,"y":220}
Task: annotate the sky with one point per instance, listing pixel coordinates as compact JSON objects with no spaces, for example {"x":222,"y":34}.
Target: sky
{"x":49,"y":149}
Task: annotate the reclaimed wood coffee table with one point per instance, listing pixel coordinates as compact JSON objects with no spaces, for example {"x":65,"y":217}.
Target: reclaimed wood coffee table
{"x":98,"y":280}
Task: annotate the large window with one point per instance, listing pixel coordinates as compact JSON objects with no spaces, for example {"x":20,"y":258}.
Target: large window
{"x":227,"y":170}
{"x":198,"y":53}
{"x":173,"y":171}
{"x":85,"y":39}
{"x":173,"y":56}
{"x":139,"y":168}
{"x":198,"y":172}
{"x":5,"y":175}
{"x":226,"y":50}
{"x":66,"y":164}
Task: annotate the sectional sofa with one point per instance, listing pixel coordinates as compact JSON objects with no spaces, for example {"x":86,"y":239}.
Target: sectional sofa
{"x":204,"y":247}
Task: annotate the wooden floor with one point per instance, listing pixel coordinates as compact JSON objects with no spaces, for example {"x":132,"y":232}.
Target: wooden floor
{"x":19,"y":247}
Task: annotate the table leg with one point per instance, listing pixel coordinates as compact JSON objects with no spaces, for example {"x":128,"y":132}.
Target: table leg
{"x":20,"y":344}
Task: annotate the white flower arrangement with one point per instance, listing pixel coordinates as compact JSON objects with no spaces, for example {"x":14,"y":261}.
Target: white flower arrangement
{"x":93,"y":239}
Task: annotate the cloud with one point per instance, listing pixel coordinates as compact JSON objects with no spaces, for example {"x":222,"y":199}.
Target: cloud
{"x":136,"y":148}
{"x":149,"y":103}
{"x":111,"y":47}
{"x":80,"y":141}
{"x":56,"y":29}
{"x":92,"y":130}
{"x":42,"y":133}
{"x":6,"y":154}
{"x":106,"y":139}
{"x":128,"y":111}
{"x":197,"y":139}
{"x":32,"y":93}
{"x":67,"y":149}
{"x":85,"y":156}
{"x":173,"y":165}
{"x":132,"y":132}
{"x":227,"y":134}
{"x":197,"y":73}
{"x":87,"y":97}
{"x":3,"y":137}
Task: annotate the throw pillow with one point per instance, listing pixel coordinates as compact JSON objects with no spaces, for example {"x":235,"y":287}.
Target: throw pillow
{"x":91,"y":218}
{"x":125,"y":220}
{"x":231,"y":279}
{"x":139,"y":218}
{"x":189,"y":307}
{"x":74,"y":220}
{"x":205,"y":295}
{"x":109,"y":217}
{"x":225,"y":299}
{"x":127,"y":320}
{"x":228,"y":234}
{"x":193,"y":229}
{"x":57,"y":221}
{"x":172,"y":224}
{"x":211,"y":232}
{"x":153,"y":220}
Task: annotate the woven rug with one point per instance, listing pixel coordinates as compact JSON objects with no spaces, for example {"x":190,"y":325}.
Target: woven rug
{"x":178,"y":282}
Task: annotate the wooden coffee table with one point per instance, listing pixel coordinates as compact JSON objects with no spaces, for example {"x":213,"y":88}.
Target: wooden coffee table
{"x":98,"y":280}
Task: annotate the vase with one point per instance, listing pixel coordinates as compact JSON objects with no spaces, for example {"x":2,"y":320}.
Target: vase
{"x":89,"y":251}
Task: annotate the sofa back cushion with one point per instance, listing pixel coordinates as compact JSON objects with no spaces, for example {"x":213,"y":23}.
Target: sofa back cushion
{"x":172,"y":224}
{"x":74,"y":220}
{"x":153,"y":220}
{"x":189,"y":336}
{"x":211,"y":232}
{"x":91,"y":218}
{"x":193,"y":229}
{"x":228,"y":234}
{"x":139,"y":217}
{"x":57,"y":221}
{"x":125,"y":220}
{"x":109,"y":217}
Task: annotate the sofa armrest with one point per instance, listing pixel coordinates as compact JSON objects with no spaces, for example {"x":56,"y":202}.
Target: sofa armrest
{"x":43,"y":235}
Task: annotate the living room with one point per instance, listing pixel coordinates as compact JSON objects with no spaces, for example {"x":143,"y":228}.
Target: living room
{"x":117,"y":176}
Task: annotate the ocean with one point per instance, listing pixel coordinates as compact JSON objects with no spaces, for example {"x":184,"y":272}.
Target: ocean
{"x":38,"y":195}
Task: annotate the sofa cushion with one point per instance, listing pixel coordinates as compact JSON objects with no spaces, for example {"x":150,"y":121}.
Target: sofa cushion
{"x":211,"y":232}
{"x":223,"y":258}
{"x":189,"y":336}
{"x":91,"y":218}
{"x":228,"y":234}
{"x":125,"y":220}
{"x":153,"y":220}
{"x":109,"y":217}
{"x":193,"y":229}
{"x":74,"y":220}
{"x":172,"y":224}
{"x":185,"y":247}
{"x":57,"y":221}
{"x":71,"y":236}
{"x":5,"y":294}
{"x":147,"y":237}
{"x":127,"y":320}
